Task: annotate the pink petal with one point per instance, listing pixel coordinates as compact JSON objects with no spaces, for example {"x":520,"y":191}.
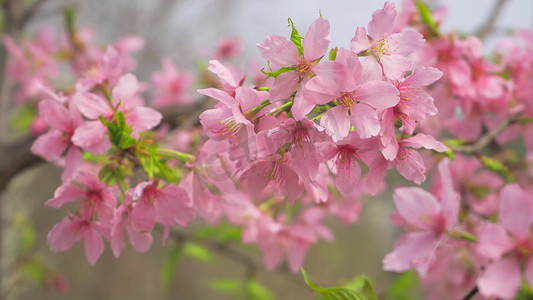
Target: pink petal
{"x":174,"y":207}
{"x":126,"y":87}
{"x":141,"y":241}
{"x":422,"y":76}
{"x":348,"y":175}
{"x":301,"y":107}
{"x":219,"y":95}
{"x":284,"y":86}
{"x":500,"y":279}
{"x":272,"y":254}
{"x":450,"y":198}
{"x":317,"y":39}
{"x":388,"y":135}
{"x":91,"y":136}
{"x":296,"y":250}
{"x":321,"y":90}
{"x":249,"y":98}
{"x":410,"y":164}
{"x":415,"y":250}
{"x":406,"y":42}
{"x":73,"y":162}
{"x":382,"y":21}
{"x":94,"y":245}
{"x":279,"y":51}
{"x":337,"y":122}
{"x":143,"y":216}
{"x":415,"y":205}
{"x":426,"y":141}
{"x":225,"y":75}
{"x":92,"y":106}
{"x":64,"y":194}
{"x":63,"y":235}
{"x":493,"y":241}
{"x":516,"y":211}
{"x":378,"y":94}
{"x":365,"y":120}
{"x":394,"y":66}
{"x":290,"y":184}
{"x":50,"y":145}
{"x":56,"y":115}
{"x":143,"y":118}
{"x":360,"y":41}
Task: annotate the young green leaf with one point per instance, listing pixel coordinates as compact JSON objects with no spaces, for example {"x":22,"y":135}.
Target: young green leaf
{"x":363,"y":284}
{"x":255,"y":290}
{"x":198,"y":252}
{"x":229,"y":286}
{"x":296,"y":38}
{"x":333,"y":293}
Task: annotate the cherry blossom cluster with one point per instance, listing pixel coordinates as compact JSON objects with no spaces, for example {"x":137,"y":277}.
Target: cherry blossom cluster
{"x":303,"y":139}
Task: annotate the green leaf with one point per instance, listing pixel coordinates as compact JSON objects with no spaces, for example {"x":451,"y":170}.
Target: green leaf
{"x":223,"y":232}
{"x":449,"y":153}
{"x":278,"y":72}
{"x":363,"y":284}
{"x":497,"y":167}
{"x":70,"y":18}
{"x":198,"y":252}
{"x":333,"y":293}
{"x":255,"y":290}
{"x":404,"y":288}
{"x":229,"y":286}
{"x":34,"y":271}
{"x":427,"y":18}
{"x":23,"y":117}
{"x":170,"y":264}
{"x":333,"y":53}
{"x":27,"y":234}
{"x":296,"y":38}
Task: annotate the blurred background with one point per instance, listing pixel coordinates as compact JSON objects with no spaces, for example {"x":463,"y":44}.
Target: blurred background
{"x":187,"y":31}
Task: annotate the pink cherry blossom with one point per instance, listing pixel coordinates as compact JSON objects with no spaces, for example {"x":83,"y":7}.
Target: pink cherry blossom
{"x":358,"y":96}
{"x":513,"y":235}
{"x":169,"y":205}
{"x":171,"y":85}
{"x":75,"y":228}
{"x":388,"y":48}
{"x":428,"y":220}
{"x":282,"y":52}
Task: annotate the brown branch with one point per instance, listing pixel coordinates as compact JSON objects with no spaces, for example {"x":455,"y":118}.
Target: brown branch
{"x":486,"y":28}
{"x":471,"y":293}
{"x":29,"y":13}
{"x":15,"y":159}
{"x":487,"y":138}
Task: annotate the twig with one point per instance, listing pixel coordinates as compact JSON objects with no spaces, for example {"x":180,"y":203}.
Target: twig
{"x":471,"y":294}
{"x":29,"y":13}
{"x":486,"y":139}
{"x":487,"y":27}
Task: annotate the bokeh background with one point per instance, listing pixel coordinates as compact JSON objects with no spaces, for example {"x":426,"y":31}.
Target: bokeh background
{"x":187,"y":31}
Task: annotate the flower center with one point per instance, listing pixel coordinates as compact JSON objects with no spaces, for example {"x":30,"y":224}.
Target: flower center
{"x":347,"y":100}
{"x":230,"y":126}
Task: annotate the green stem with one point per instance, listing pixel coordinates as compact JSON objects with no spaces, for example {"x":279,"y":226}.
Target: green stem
{"x":427,"y":18}
{"x":259,"y":107}
{"x":281,"y":108}
{"x":181,"y":156}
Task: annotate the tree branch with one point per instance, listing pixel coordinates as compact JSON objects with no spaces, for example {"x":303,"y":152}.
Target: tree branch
{"x":486,"y":139}
{"x":471,"y":294}
{"x":486,"y":29}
